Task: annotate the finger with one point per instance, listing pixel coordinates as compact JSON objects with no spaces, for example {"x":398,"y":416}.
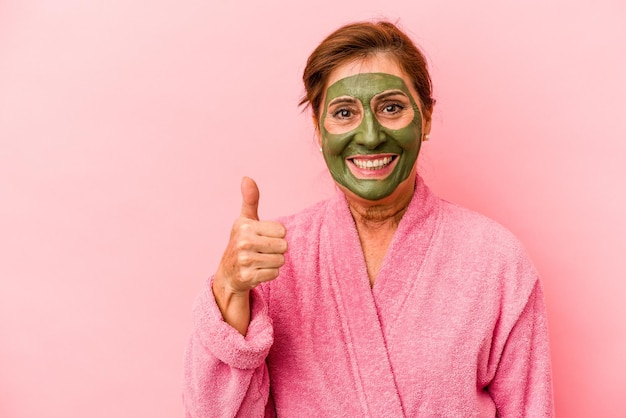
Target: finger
{"x":270,"y":261}
{"x":264,"y":269}
{"x":268,"y":245}
{"x":265,"y":275}
{"x":250,"y":199}
{"x":256,"y":236}
{"x":270,"y":229}
{"x":251,"y":261}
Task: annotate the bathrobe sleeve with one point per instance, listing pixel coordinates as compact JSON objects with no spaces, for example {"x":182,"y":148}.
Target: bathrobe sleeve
{"x":522,"y":386}
{"x":225,"y":373}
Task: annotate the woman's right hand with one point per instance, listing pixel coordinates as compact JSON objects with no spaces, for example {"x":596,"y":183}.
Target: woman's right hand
{"x":253,"y":255}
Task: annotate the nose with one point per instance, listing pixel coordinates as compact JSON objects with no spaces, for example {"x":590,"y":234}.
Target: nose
{"x":369,"y":133}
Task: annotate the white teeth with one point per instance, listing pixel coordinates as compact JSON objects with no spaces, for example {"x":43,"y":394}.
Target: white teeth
{"x":372,"y":164}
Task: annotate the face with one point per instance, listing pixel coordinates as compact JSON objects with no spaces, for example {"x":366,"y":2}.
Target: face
{"x":371,"y":128}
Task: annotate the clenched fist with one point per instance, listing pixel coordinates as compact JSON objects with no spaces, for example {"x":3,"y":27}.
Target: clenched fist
{"x":253,"y":255}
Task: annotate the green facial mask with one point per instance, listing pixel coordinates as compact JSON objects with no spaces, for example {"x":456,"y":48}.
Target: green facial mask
{"x":370,"y":114}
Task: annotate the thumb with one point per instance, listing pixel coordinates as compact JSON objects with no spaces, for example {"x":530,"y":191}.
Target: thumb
{"x":250,"y":199}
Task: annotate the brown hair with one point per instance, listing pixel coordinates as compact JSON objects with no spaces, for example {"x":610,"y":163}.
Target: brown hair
{"x":358,"y":41}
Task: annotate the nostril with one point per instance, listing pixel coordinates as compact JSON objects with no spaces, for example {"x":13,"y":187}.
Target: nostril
{"x":370,"y":139}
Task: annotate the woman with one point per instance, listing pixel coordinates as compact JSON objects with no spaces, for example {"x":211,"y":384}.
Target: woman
{"x":389,"y":301}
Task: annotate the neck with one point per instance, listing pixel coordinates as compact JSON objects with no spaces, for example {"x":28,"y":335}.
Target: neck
{"x":378,"y":215}
{"x":385,"y":212}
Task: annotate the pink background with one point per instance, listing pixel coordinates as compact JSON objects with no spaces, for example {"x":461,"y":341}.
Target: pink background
{"x":126,"y":126}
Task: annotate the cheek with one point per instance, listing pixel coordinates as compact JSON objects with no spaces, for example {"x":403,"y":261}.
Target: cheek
{"x":408,"y":138}
{"x":334,"y":144}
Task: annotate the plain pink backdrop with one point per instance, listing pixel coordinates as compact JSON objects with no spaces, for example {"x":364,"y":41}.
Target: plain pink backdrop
{"x":125,"y":128}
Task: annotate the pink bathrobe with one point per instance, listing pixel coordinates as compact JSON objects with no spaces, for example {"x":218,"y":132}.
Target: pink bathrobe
{"x":454,"y":326}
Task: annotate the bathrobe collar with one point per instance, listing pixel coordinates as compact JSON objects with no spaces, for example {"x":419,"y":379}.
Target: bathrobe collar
{"x":368,"y":314}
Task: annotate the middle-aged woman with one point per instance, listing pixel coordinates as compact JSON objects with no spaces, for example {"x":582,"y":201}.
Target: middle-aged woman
{"x":383,"y":301}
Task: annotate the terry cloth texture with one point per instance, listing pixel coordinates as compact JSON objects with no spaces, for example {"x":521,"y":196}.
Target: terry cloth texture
{"x":454,"y":326}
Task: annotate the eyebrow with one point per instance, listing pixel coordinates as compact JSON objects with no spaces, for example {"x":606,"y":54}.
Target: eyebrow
{"x":389,"y":93}
{"x":342,"y":100}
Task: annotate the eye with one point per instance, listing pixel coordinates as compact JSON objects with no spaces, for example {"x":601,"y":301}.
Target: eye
{"x":343,"y":113}
{"x":392,"y":108}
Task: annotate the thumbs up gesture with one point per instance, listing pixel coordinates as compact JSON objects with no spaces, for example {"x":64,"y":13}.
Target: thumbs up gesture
{"x":255,"y":250}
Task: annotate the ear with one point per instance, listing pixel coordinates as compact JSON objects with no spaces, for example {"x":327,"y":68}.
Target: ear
{"x":317,"y":130}
{"x":427,"y":125}
{"x":427,"y":115}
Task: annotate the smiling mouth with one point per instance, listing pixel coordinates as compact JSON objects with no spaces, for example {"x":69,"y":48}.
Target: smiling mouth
{"x":377,"y":163}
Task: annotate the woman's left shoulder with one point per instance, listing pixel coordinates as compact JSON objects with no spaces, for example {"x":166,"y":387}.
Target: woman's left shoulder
{"x":487,"y":249}
{"x":473,"y":227}
{"x":484,"y":240}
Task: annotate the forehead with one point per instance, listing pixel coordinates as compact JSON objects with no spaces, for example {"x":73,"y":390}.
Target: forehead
{"x":365,"y":86}
{"x":379,"y":63}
